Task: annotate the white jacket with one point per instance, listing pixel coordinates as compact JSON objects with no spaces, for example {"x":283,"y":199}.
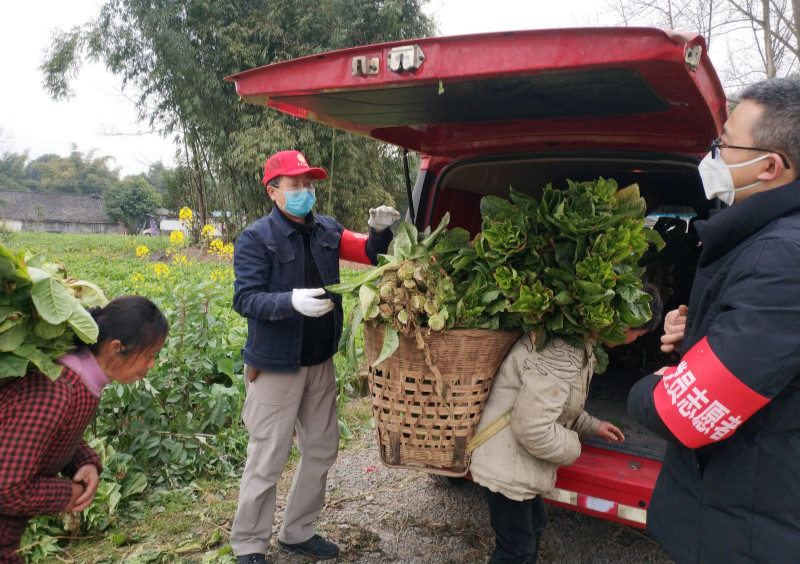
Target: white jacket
{"x":547,"y":391}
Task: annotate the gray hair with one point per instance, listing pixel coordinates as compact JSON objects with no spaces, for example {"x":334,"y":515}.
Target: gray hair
{"x":779,"y":125}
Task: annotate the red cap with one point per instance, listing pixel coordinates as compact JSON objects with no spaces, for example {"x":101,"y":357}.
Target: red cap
{"x":290,"y":163}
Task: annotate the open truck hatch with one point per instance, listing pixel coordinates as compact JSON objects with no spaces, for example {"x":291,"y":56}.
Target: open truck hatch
{"x":571,"y":89}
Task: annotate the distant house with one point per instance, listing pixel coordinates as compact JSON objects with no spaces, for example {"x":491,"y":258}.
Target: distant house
{"x":54,"y":213}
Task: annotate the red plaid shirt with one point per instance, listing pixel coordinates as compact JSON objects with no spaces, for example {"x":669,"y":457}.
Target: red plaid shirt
{"x":41,"y":435}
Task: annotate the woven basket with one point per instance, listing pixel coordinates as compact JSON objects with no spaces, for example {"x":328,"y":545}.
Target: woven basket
{"x":418,"y":427}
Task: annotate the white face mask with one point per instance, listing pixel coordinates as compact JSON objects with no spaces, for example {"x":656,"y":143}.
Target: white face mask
{"x":717,"y":179}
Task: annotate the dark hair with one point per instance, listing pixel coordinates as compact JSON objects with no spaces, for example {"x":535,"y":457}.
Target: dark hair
{"x":274,"y":181}
{"x":656,"y":307}
{"x":134,"y":321}
{"x":778,"y":127}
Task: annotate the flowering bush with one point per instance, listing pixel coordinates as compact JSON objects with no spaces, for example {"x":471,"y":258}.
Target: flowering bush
{"x":225,"y":276}
{"x":176,"y":239}
{"x":160,"y":270}
{"x":186,"y":215}
{"x":208,"y":232}
{"x":221,"y":250}
{"x":142,"y":252}
{"x":137,"y":279}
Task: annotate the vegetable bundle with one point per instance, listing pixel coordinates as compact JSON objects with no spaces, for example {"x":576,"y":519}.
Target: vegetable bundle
{"x":566,"y":266}
{"x":40,"y":311}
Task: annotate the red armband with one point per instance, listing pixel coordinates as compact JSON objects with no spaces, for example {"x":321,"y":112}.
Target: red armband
{"x":354,"y":247}
{"x":701,"y":401}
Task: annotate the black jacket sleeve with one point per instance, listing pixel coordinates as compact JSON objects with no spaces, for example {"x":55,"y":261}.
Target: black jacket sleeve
{"x":377,"y":244}
{"x":641,"y":406}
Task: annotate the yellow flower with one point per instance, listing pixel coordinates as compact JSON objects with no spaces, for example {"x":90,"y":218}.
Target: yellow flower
{"x":161,"y":269}
{"x":142,"y":252}
{"x":186,"y":215}
{"x":176,"y":238}
{"x":224,"y":251}
{"x":208,"y":231}
{"x":136,"y":278}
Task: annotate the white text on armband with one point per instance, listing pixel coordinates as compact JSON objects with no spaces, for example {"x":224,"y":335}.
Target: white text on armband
{"x":701,"y":401}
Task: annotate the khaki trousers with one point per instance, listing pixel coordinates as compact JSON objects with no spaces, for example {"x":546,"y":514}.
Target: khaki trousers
{"x":277,"y":405}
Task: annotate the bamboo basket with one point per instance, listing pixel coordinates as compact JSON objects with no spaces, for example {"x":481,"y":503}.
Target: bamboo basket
{"x":424,"y":421}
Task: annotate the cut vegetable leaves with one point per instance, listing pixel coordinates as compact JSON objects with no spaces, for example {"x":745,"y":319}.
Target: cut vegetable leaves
{"x":40,"y":312}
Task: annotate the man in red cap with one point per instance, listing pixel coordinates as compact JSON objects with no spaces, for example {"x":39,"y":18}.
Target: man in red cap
{"x":282,"y":263}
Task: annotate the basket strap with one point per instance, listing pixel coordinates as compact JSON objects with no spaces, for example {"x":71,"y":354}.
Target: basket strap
{"x":490,"y":430}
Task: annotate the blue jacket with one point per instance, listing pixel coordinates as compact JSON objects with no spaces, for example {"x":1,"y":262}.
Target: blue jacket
{"x":269,"y":262}
{"x":738,"y":499}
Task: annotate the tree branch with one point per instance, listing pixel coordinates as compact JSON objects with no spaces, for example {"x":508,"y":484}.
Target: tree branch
{"x":780,"y":11}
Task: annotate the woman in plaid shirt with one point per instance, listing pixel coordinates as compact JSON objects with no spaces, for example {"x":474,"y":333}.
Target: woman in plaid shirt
{"x":42,"y":422}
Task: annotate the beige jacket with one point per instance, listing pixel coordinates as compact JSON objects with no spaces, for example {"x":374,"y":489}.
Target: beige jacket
{"x":547,"y":390}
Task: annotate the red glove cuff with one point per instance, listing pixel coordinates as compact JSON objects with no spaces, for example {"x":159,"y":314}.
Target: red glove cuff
{"x":353,"y":247}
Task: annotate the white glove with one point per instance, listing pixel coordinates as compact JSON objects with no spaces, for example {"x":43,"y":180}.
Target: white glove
{"x":382,"y":217}
{"x":303,"y":301}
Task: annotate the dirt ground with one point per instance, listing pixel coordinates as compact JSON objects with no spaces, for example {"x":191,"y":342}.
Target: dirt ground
{"x":381,"y":515}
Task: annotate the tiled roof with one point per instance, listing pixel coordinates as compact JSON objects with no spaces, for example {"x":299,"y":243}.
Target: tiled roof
{"x":66,"y":208}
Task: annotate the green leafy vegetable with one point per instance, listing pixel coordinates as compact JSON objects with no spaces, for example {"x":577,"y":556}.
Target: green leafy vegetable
{"x":40,"y":312}
{"x":565,"y":266}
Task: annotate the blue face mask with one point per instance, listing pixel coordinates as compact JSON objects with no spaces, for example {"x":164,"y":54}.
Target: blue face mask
{"x":298,"y":202}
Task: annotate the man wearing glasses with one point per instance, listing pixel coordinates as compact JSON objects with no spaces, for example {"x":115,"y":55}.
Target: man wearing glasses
{"x":282,"y":263}
{"x":729,"y":487}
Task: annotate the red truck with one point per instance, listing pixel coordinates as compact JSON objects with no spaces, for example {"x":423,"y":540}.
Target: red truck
{"x":524,"y":109}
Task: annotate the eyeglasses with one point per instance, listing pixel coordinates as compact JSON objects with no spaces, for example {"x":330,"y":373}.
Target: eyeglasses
{"x":717,"y":144}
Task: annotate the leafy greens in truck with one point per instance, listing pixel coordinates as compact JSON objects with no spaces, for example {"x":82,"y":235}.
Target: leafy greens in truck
{"x":565,"y":266}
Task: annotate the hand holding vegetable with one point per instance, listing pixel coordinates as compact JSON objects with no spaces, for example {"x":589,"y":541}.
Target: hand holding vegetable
{"x":304,"y":301}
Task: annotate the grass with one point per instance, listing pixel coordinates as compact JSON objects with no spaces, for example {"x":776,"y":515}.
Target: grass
{"x":65,"y":244}
{"x":190,"y":525}
{"x":182,"y":526}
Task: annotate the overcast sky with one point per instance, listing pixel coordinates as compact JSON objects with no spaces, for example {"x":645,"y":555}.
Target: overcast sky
{"x":102,"y":118}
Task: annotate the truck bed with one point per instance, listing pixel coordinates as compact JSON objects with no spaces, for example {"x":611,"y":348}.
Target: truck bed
{"x":608,"y":397}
